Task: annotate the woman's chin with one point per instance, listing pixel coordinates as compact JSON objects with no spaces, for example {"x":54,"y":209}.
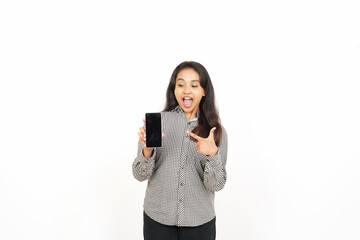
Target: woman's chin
{"x":186,"y":108}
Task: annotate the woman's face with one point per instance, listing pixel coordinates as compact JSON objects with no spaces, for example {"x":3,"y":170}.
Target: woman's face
{"x":188,"y":91}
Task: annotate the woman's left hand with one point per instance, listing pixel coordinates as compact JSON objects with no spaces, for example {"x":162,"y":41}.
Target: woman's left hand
{"x":207,"y":145}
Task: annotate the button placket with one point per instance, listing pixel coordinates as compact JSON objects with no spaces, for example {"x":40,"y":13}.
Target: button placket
{"x":182,"y":179}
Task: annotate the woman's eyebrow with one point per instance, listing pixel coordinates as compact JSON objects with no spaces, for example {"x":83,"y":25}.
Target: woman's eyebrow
{"x":195,"y":80}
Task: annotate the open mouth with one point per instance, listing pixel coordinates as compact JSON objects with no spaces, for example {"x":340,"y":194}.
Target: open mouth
{"x":187,"y":101}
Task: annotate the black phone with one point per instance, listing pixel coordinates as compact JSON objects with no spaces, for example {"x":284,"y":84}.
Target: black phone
{"x":153,"y":129}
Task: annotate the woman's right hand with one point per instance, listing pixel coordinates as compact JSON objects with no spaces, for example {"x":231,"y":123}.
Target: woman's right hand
{"x":142,"y":138}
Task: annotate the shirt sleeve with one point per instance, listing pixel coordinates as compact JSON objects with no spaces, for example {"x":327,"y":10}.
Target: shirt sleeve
{"x":143,"y":167}
{"x":214,"y":172}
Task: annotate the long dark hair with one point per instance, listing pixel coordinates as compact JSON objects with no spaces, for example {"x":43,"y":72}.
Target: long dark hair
{"x":209,"y":115}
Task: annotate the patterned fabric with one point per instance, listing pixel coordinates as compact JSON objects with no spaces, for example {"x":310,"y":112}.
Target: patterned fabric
{"x":181,"y":181}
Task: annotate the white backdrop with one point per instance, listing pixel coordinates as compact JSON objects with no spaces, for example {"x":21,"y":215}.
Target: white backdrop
{"x":78,"y":76}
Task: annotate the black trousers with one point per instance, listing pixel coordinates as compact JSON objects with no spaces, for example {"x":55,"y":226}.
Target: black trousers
{"x":157,"y":231}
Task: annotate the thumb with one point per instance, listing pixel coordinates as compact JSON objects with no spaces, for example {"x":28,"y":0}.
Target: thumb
{"x":211,"y":134}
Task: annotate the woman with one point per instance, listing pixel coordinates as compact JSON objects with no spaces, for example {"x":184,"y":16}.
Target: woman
{"x":190,"y":166}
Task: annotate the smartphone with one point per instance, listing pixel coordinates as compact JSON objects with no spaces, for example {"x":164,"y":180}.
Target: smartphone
{"x":153,"y":129}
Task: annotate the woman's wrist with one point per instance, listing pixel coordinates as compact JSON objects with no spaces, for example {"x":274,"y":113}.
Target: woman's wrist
{"x":213,"y":152}
{"x":147,"y":152}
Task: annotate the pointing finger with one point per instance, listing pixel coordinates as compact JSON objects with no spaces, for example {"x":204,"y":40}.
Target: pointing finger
{"x":194,"y":135}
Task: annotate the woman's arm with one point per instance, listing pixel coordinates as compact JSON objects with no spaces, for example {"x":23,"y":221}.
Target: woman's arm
{"x":144,"y":163}
{"x":214,"y":172}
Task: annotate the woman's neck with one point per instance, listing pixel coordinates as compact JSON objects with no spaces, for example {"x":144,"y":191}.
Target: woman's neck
{"x":192,"y":115}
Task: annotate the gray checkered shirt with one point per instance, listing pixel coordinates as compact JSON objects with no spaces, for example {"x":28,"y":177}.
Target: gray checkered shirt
{"x":181,"y":181}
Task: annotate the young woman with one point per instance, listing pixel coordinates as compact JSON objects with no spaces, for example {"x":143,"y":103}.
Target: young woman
{"x":190,"y":166}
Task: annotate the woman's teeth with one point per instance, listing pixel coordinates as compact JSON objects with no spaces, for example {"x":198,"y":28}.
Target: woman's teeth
{"x":187,"y":101}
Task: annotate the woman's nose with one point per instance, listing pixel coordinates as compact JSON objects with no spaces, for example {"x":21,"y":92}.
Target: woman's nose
{"x":187,"y":89}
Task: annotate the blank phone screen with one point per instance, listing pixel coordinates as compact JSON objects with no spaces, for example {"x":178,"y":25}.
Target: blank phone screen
{"x":153,"y":129}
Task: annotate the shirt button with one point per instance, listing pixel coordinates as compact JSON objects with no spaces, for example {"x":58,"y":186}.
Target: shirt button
{"x":181,"y":184}
{"x":180,"y":200}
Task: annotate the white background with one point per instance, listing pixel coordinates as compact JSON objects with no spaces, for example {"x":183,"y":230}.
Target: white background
{"x":78,"y":76}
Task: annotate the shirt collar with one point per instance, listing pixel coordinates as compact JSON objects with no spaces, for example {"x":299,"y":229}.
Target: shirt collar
{"x":178,"y":109}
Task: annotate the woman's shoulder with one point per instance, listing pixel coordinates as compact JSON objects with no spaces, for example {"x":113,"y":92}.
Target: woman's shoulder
{"x":173,"y":112}
{"x":223,"y":132}
{"x":168,"y":115}
{"x":223,"y":128}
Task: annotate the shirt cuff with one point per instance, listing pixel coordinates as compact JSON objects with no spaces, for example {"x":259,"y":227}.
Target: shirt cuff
{"x":143,"y":158}
{"x":214,"y":160}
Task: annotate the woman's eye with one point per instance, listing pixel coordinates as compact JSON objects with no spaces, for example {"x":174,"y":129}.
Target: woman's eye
{"x":194,"y":86}
{"x":180,"y":85}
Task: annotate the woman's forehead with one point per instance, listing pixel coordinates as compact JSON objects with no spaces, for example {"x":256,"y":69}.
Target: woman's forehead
{"x":188,"y":74}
